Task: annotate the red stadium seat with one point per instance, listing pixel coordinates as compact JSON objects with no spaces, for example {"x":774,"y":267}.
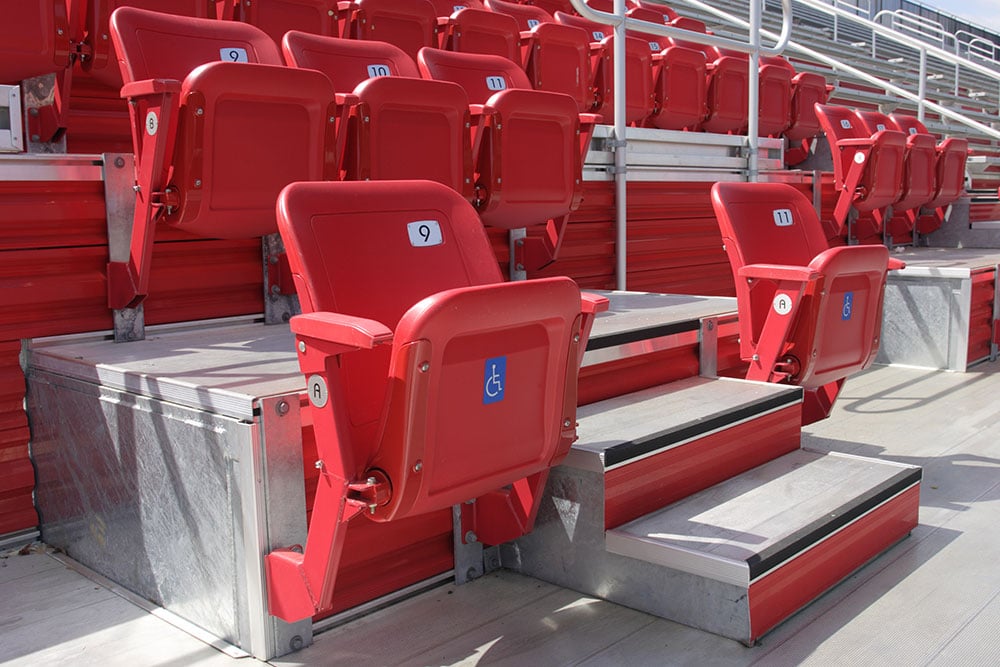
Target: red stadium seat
{"x":951,"y":156}
{"x":809,"y":315}
{"x":680,"y":89}
{"x":276,"y":17}
{"x":219,"y":127}
{"x":34,"y":40}
{"x":449,"y":7}
{"x":727,"y":82}
{"x":528,"y":150}
{"x":98,"y":56}
{"x":918,"y":183}
{"x":808,"y":89}
{"x":408,"y":24}
{"x":400,"y":126}
{"x":432,"y":381}
{"x":483,"y":31}
{"x":638,"y":70}
{"x":868,"y":169}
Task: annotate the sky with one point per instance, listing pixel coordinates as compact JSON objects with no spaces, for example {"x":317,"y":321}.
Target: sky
{"x":983,"y":12}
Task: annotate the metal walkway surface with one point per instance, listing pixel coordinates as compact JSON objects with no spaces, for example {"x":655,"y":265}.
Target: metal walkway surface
{"x":933,"y":599}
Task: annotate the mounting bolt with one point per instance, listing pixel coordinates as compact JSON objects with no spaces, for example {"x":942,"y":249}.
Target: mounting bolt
{"x":519,"y":267}
{"x":418,"y":466}
{"x":318,"y":465}
{"x":710,"y":325}
{"x":119,"y":162}
{"x":471,"y":538}
{"x":755,"y":357}
{"x":281,"y":408}
{"x":199,"y":111}
{"x":302,"y":346}
{"x":424,"y":367}
{"x":567,"y":423}
{"x":296,"y":643}
{"x":197,"y":182}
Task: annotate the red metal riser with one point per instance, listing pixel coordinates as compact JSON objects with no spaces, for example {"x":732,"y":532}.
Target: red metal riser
{"x":981,"y":314}
{"x":782,"y":592}
{"x":648,"y":484}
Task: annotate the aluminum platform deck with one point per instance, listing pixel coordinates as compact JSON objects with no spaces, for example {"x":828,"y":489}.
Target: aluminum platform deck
{"x":934,"y":599}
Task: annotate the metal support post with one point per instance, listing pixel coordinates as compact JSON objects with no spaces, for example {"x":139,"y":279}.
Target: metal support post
{"x":922,"y":86}
{"x":753,"y":110}
{"x":621,"y":153}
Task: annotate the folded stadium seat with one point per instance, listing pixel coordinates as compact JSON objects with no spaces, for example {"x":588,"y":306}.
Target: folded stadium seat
{"x":727,"y":82}
{"x":949,"y":172}
{"x":918,"y":183}
{"x":432,"y":381}
{"x":219,"y":126}
{"x":276,"y":17}
{"x":639,"y":101}
{"x":667,"y":13}
{"x":555,"y":57}
{"x":449,"y":7}
{"x":808,"y":89}
{"x":656,"y":42}
{"x":399,"y":126}
{"x":553,"y":6}
{"x":680,"y":89}
{"x":97,"y":55}
{"x":528,"y":149}
{"x":408,"y":24}
{"x":868,"y":169}
{"x":482,"y":31}
{"x":34,"y":41}
{"x":809,"y":315}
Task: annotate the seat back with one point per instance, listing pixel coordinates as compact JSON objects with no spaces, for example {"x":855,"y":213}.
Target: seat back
{"x":483,"y":31}
{"x":245,"y":128}
{"x":528,"y":17}
{"x":276,"y":17}
{"x":347,"y":62}
{"x":34,"y":39}
{"x":408,"y":24}
{"x":449,"y":7}
{"x":639,"y":100}
{"x":680,"y":89}
{"x":597,"y":31}
{"x":814,"y":313}
{"x":529,"y":166}
{"x":882,"y":176}
{"x":919,"y":163}
{"x":952,"y":155}
{"x":474,"y":386}
{"x":909,"y":124}
{"x":808,"y":90}
{"x":655,"y":42}
{"x":101,"y":61}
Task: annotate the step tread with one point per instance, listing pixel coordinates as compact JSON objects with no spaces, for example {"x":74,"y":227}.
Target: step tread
{"x":625,"y":428}
{"x":740,"y":529}
{"x":635,"y":316}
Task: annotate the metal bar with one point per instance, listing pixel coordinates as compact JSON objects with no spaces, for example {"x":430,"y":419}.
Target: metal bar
{"x":753,"y":97}
{"x":781,"y":42}
{"x":883,"y":31}
{"x":922,"y":86}
{"x":621,"y":153}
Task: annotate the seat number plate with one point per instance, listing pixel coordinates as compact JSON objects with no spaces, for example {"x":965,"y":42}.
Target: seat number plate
{"x":233,"y":54}
{"x":424,"y":233}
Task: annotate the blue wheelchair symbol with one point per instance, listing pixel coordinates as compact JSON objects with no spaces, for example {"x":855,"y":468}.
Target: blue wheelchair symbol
{"x":847,"y":310}
{"x":494,"y":380}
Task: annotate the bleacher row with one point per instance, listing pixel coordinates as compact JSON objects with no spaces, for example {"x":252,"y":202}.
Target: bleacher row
{"x":673,"y":84}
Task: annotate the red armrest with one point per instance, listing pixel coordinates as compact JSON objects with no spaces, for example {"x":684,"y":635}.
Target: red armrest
{"x":350,"y":332}
{"x":778,"y":272}
{"x":150,"y":87}
{"x":593,"y":303}
{"x":896,"y":264}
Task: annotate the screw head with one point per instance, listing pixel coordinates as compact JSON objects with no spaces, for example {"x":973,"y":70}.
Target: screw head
{"x":302,"y":346}
{"x":418,"y":466}
{"x":119,"y":162}
{"x":282,"y":408}
{"x":424,"y":367}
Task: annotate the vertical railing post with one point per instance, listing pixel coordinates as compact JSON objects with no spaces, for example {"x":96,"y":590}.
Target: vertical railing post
{"x":753,"y":110}
{"x":621,"y":175}
{"x":922,"y":85}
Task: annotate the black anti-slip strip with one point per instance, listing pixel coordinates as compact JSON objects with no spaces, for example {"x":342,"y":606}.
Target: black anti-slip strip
{"x":647,"y":333}
{"x":771,"y":558}
{"x":650,"y":443}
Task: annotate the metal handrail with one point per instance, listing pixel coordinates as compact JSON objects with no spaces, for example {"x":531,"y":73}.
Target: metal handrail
{"x":978,"y":46}
{"x":908,"y":22}
{"x":891,"y":35}
{"x":621,"y":23}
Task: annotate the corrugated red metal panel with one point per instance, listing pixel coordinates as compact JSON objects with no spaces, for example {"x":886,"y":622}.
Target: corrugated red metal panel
{"x":981,"y":314}
{"x":17,"y":475}
{"x":98,"y":118}
{"x":982,"y":211}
